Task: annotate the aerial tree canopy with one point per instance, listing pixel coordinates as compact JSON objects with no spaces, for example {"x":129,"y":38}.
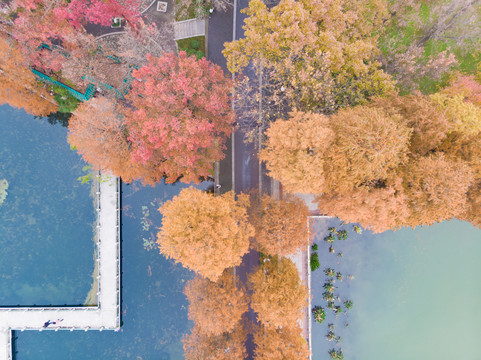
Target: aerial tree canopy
{"x":280,"y":344}
{"x":18,"y":85}
{"x":299,"y":38}
{"x":227,"y":346}
{"x":216,"y":307}
{"x":180,"y":117}
{"x":390,"y":163}
{"x":278,"y":296}
{"x":281,"y":225}
{"x":205,"y":233}
{"x":295,"y":149}
{"x":98,"y":133}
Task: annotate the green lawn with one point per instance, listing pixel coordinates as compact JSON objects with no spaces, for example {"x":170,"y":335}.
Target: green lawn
{"x":193,"y":46}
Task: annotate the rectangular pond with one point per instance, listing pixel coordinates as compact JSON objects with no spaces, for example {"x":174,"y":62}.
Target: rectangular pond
{"x":415,"y":293}
{"x":47,"y":219}
{"x":154,"y":308}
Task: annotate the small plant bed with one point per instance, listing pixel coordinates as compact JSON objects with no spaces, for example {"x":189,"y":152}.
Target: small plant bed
{"x":193,"y":46}
{"x":66,"y":102}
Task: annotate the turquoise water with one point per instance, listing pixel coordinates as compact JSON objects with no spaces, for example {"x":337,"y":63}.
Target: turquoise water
{"x":416,"y":293}
{"x":154,"y":308}
{"x":46,"y":221}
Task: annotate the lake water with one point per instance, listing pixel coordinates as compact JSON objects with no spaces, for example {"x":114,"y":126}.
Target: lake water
{"x":154,"y":308}
{"x":47,"y":219}
{"x":416,"y":293}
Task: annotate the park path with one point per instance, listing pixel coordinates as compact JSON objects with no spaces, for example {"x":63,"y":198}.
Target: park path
{"x":106,"y":314}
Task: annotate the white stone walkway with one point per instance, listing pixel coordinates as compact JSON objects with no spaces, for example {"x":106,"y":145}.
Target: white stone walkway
{"x":189,"y":28}
{"x":106,"y":315}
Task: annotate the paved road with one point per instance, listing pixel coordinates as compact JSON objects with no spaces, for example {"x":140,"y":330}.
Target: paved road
{"x":244,"y":156}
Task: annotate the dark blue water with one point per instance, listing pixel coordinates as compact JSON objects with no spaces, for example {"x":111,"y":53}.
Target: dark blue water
{"x":153,"y":305}
{"x":47,"y":219}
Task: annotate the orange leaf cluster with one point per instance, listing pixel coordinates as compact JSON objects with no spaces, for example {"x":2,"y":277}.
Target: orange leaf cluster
{"x":278,"y":296}
{"x":216,"y":307}
{"x":280,"y":344}
{"x":205,"y":233}
{"x":227,"y":346}
{"x":18,"y":85}
{"x":281,"y":226}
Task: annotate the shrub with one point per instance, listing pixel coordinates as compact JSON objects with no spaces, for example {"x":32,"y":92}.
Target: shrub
{"x":319,"y":314}
{"x":195,"y":44}
{"x":315,"y":264}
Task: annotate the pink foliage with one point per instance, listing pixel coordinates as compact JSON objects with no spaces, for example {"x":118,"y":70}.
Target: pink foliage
{"x":182,"y":115}
{"x":100,"y":12}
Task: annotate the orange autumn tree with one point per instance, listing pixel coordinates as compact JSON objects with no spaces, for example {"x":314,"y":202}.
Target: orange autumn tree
{"x":278,"y":296}
{"x":280,"y":344}
{"x":18,"y":85}
{"x":181,"y":116}
{"x":227,"y":346}
{"x":280,"y":225}
{"x":436,"y":188}
{"x":216,"y":307}
{"x":428,"y":122}
{"x":295,"y":148}
{"x":205,"y":233}
{"x":369,"y":144}
{"x":99,"y":135}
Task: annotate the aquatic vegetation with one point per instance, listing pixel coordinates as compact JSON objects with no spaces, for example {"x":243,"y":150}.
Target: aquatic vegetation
{"x":330,"y":305}
{"x":342,"y":235}
{"x":326,"y":295}
{"x":337,"y":309}
{"x":315,"y":264}
{"x":340,"y":254}
{"x":149,"y":244}
{"x":329,"y":272}
{"x":330,"y":238}
{"x":3,"y":190}
{"x":145,"y":221}
{"x":332,"y":230}
{"x":314,"y":247}
{"x":319,"y":314}
{"x":336,"y":354}
{"x":339,"y":276}
{"x":329,"y":287}
{"x":330,"y":327}
{"x":330,"y":336}
{"x":331,"y":250}
{"x":348,"y":304}
{"x":338,"y":339}
{"x":357,"y":229}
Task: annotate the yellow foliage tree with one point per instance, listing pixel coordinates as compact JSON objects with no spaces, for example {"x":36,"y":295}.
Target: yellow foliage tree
{"x":278,"y":296}
{"x":294,"y":152}
{"x":281,"y":225}
{"x":216,"y":307}
{"x":227,"y":346}
{"x":280,"y":344}
{"x":206,"y":233}
{"x":464,"y":116}
{"x":292,"y":36}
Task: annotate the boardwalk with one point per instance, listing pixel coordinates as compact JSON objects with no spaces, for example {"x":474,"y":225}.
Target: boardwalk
{"x":189,"y":28}
{"x":104,"y":316}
